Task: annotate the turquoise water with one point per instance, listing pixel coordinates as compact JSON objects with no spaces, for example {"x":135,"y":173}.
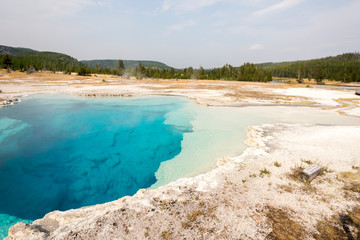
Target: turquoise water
{"x":59,"y":152}
{"x":64,"y":152}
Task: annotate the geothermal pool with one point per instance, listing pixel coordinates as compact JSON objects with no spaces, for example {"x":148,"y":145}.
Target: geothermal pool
{"x":59,"y":152}
{"x":64,"y":152}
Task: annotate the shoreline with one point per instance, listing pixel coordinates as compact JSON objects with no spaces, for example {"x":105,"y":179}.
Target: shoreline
{"x":344,"y":103}
{"x":176,"y":203}
{"x":203,"y":206}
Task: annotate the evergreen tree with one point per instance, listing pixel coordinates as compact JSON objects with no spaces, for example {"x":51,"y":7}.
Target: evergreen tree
{"x":6,"y":61}
{"x":318,"y":74}
{"x":121,"y":68}
{"x":202,"y":73}
{"x":188,"y":73}
{"x":83,"y":71}
{"x":268,"y":77}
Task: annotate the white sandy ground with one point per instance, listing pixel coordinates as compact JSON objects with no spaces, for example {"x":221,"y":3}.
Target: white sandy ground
{"x":215,"y":93}
{"x":229,"y":201}
{"x":234,"y":200}
{"x":320,"y":96}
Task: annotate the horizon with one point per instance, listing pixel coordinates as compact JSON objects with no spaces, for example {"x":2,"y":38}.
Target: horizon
{"x":152,"y":60}
{"x":221,"y":31}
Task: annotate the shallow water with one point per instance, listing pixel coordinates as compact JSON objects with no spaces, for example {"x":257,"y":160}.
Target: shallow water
{"x":221,"y":131}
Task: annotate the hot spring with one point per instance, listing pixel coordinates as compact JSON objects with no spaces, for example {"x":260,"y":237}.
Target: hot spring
{"x":59,"y":152}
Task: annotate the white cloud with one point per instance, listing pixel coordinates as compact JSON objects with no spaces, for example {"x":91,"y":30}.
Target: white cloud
{"x":316,"y":38}
{"x":285,"y":4}
{"x":46,"y":24}
{"x":256,"y":47}
{"x":186,"y":5}
{"x":183,"y":25}
{"x":46,"y":8}
{"x":341,"y":20}
{"x":166,"y":5}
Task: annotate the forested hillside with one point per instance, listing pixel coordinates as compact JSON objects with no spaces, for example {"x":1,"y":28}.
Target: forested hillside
{"x":344,"y":67}
{"x":24,"y":58}
{"x":111,"y":63}
{"x":246,"y":72}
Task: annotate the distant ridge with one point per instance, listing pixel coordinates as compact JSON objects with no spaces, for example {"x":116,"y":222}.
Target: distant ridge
{"x":113,"y":63}
{"x":16,"y":51}
{"x":12,"y":51}
{"x":345,"y":57}
{"x":23,"y":58}
{"x":344,"y":67}
{"x":59,"y":61}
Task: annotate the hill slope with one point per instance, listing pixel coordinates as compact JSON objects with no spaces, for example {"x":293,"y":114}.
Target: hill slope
{"x":112,"y":63}
{"x":23,"y":58}
{"x":16,"y":51}
{"x":344,"y":67}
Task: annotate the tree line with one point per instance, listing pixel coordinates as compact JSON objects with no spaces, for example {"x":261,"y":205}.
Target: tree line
{"x":246,"y":72}
{"x":40,"y":61}
{"x":344,"y":68}
{"x":54,"y":62}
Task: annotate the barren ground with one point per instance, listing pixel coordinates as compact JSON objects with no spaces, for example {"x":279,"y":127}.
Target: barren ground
{"x":255,"y":196}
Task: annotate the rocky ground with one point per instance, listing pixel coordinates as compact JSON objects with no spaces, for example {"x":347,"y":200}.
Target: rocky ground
{"x":257,"y":195}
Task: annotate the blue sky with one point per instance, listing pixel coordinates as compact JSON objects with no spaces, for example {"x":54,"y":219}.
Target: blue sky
{"x":182,"y":33}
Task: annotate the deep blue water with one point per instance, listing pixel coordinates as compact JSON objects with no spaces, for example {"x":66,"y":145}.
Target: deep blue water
{"x":64,"y":152}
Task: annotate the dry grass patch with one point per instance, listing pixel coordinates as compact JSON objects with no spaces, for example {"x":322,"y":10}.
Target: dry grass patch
{"x":294,"y":175}
{"x":343,"y":226}
{"x":340,"y":227}
{"x":351,"y":181}
{"x":264,"y":172}
{"x":241,"y":93}
{"x":295,"y":172}
{"x":351,"y":184}
{"x":286,"y":188}
{"x":283,"y":227}
{"x":193,"y":215}
{"x":244,"y":94}
{"x":202,"y":210}
{"x":308,"y":188}
{"x":309,"y":162}
{"x":185,"y":225}
{"x":355,"y":217}
{"x":277,"y":164}
{"x":166,"y":235}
